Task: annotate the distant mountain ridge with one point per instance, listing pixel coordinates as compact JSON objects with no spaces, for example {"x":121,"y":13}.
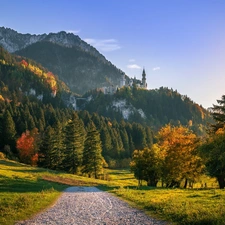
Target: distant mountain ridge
{"x":13,"y":41}
{"x":76,"y":62}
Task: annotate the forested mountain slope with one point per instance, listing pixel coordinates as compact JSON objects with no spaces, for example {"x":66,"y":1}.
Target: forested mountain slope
{"x":154,"y":108}
{"x":80,"y":70}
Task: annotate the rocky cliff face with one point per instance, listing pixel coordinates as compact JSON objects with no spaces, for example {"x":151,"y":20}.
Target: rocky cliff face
{"x":77,"y":63}
{"x":12,"y":41}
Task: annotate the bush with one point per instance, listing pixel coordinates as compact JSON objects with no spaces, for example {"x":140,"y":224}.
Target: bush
{"x":2,"y":155}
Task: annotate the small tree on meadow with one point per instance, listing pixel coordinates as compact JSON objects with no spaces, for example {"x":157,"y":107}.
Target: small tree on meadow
{"x":146,"y":165}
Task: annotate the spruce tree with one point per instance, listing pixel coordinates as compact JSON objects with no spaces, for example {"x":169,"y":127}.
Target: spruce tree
{"x":46,"y":153}
{"x":125,"y":140}
{"x":74,"y":143}
{"x":218,"y":113}
{"x":92,"y":157}
{"x":8,"y":130}
{"x":58,"y":145}
{"x":106,"y":141}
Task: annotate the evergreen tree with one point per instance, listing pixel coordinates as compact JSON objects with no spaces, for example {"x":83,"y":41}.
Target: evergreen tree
{"x":74,"y":143}
{"x":139,"y":136}
{"x":47,"y":153}
{"x":218,"y":113}
{"x":92,"y":158}
{"x":125,"y":140}
{"x":149,"y":137}
{"x":8,"y":130}
{"x":131,"y":145}
{"x":212,"y":151}
{"x":106,"y":141}
{"x":58,"y":145}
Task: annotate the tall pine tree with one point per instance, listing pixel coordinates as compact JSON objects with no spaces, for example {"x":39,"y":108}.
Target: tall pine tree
{"x":8,"y":130}
{"x":74,"y":143}
{"x":92,"y":157}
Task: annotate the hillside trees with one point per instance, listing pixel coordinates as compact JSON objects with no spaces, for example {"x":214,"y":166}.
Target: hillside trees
{"x":154,"y":108}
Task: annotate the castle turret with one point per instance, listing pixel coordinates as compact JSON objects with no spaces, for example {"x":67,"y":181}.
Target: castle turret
{"x":122,"y":80}
{"x":144,"y":84}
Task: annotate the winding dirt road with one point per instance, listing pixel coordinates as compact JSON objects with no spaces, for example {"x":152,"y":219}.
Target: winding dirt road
{"x":90,"y":206}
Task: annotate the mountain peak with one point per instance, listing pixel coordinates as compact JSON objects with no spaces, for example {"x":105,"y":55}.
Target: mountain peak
{"x":13,"y":41}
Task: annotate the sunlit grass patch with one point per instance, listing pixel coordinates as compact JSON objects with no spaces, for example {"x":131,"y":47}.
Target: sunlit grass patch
{"x":23,"y":192}
{"x":179,"y":205}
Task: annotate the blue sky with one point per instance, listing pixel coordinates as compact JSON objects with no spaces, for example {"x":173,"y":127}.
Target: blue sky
{"x":180,"y":43}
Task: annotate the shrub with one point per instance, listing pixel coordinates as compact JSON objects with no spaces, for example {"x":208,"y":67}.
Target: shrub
{"x":2,"y":155}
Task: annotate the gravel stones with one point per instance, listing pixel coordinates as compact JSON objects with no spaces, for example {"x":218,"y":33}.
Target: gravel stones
{"x":90,"y":206}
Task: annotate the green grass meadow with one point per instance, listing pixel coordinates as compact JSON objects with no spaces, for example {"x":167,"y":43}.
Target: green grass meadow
{"x":26,"y":190}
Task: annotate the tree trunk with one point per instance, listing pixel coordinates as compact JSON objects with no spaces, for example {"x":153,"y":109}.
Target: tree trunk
{"x":221,"y":181}
{"x":174,"y":184}
{"x":185,"y":183}
{"x":152,"y":183}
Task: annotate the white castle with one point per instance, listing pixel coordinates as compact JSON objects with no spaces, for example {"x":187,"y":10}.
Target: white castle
{"x":133,"y":81}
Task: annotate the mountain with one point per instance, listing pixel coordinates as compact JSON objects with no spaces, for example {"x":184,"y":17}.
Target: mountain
{"x":154,"y":108}
{"x":76,"y":63}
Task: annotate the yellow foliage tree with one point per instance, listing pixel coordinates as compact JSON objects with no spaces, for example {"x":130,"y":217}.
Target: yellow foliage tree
{"x":180,"y":158}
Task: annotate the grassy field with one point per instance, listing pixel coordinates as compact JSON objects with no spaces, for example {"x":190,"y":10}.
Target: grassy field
{"x":26,"y":190}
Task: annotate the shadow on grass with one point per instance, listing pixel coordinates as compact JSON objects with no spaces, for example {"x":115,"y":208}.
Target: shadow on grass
{"x":32,"y":170}
{"x":21,"y":185}
{"x":10,"y":163}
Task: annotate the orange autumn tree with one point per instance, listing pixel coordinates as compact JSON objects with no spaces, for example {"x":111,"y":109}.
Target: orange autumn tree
{"x":180,"y":159}
{"x":27,"y":147}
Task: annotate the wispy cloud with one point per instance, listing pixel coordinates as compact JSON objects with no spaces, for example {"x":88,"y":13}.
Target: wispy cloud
{"x":73,"y":31}
{"x":106,"y":45}
{"x":156,"y":68}
{"x":132,"y":60}
{"x":133,"y":66}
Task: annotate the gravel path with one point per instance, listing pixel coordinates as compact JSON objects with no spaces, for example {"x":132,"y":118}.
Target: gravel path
{"x":90,"y":206}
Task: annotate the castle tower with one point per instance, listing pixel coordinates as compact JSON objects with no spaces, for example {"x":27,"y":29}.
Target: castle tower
{"x":144,"y":84}
{"x":122,"y":80}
